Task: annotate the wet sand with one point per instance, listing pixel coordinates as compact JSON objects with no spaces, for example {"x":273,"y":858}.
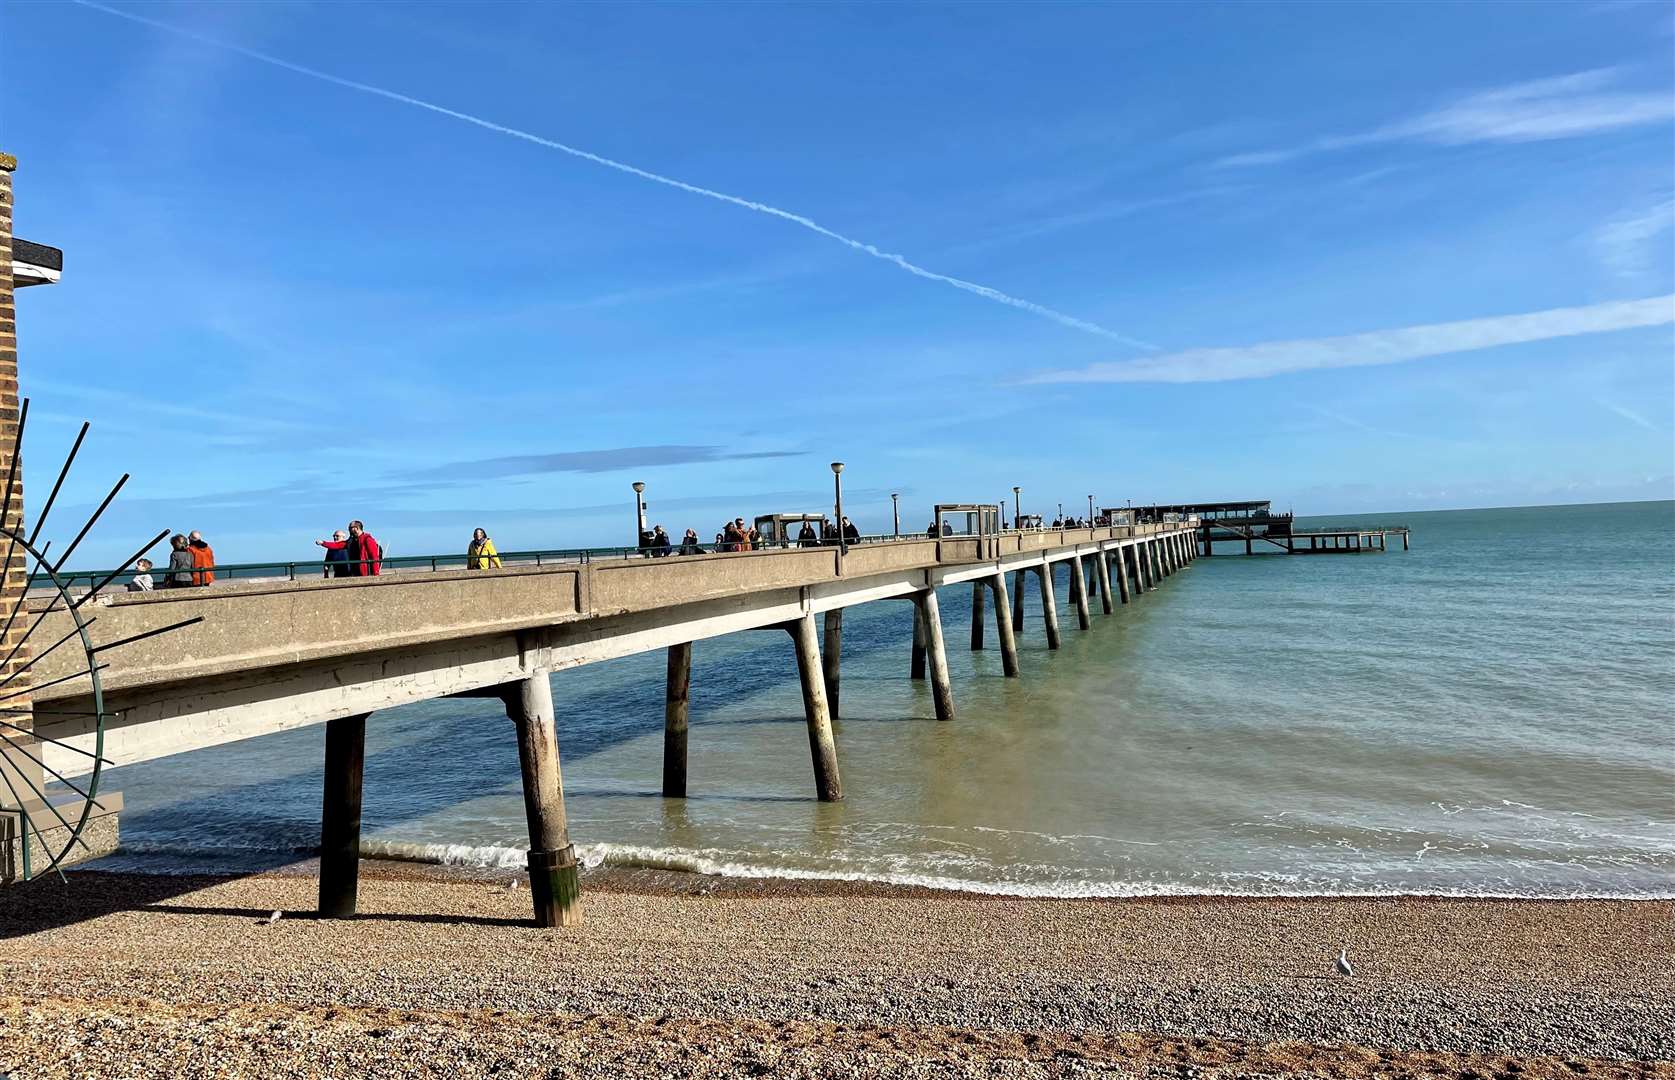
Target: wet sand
{"x":676,"y":975}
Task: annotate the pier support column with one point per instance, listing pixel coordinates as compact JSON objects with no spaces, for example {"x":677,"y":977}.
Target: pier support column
{"x":1247,"y":545}
{"x":1209,"y":544}
{"x":1079,"y":593}
{"x":554,"y":885}
{"x":1164,"y":557}
{"x":1019,"y":579}
{"x":1103,"y":571}
{"x":916,"y":671}
{"x":1003,"y":627}
{"x":674,"y":720}
{"x":1122,"y":573}
{"x":822,"y":748}
{"x":1049,"y":604}
{"x":1152,"y":569}
{"x":832,"y":657}
{"x":942,"y":689}
{"x":340,"y":816}
{"x":1404,"y":541}
{"x":978,"y":589}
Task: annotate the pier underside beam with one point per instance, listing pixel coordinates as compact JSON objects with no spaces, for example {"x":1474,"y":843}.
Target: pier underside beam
{"x":340,"y":816}
{"x":1049,"y":604}
{"x":1003,"y":627}
{"x":822,"y":747}
{"x":554,"y":885}
{"x":674,"y":720}
{"x":942,"y":688}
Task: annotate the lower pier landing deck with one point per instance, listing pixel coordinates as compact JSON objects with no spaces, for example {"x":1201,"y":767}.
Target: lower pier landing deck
{"x":1343,"y":541}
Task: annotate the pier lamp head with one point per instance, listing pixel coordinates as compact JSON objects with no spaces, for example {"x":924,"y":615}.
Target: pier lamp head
{"x":1016,"y":489}
{"x":639,"y":486}
{"x":837,"y":467}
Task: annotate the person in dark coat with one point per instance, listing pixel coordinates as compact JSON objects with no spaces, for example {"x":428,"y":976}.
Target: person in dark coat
{"x":180,"y":564}
{"x":850,"y":532}
{"x":337,"y":554}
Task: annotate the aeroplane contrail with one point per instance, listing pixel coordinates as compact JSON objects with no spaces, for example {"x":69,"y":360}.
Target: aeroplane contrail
{"x":598,"y":159}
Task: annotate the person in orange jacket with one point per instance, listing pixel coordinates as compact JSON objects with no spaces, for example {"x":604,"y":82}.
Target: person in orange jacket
{"x":203,"y":559}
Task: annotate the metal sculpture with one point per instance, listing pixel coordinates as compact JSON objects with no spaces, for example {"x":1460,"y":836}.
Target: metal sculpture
{"x":31,"y":789}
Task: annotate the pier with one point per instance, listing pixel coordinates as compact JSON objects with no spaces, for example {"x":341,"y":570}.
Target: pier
{"x":1255,"y":524}
{"x":273,"y":655}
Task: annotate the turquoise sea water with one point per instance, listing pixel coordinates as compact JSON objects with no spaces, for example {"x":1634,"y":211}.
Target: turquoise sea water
{"x":1488,"y":713}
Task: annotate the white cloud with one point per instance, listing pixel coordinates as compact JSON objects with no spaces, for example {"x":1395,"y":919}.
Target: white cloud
{"x":1378,"y":347}
{"x":1562,"y":107}
{"x":1624,"y":244}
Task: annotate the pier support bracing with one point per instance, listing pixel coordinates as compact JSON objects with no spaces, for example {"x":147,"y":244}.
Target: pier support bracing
{"x":1003,"y":627}
{"x":554,"y":885}
{"x":340,"y":816}
{"x":1102,"y":577}
{"x":832,"y":660}
{"x":1079,"y":593}
{"x":942,"y":688}
{"x":916,"y":670}
{"x":822,"y":748}
{"x":978,"y":589}
{"x":1049,"y":604}
{"x":675,"y":699}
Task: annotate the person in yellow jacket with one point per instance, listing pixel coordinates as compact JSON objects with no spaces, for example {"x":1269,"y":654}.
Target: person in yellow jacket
{"x":481,"y":554}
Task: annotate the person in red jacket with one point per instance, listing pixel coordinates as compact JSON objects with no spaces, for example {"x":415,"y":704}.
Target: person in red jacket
{"x":203,"y":559}
{"x":366,"y":558}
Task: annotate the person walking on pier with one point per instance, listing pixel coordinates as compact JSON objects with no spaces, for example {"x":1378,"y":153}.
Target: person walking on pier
{"x":481,"y":554}
{"x":689,"y":544}
{"x":732,"y":535}
{"x":366,"y":557}
{"x":337,"y":554}
{"x":659,"y":543}
{"x":850,"y":532}
{"x":203,"y":559}
{"x":806,"y":537}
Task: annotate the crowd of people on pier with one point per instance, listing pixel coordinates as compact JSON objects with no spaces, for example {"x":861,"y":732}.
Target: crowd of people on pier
{"x":354,"y":552}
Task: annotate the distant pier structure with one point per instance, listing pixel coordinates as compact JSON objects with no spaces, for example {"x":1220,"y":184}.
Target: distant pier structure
{"x":1255,"y":522}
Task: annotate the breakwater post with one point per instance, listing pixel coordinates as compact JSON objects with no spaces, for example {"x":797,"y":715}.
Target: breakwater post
{"x":340,"y":816}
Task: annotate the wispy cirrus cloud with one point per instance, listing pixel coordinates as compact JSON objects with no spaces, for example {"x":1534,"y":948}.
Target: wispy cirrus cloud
{"x":1266,"y":359}
{"x":1624,"y":244}
{"x":591,"y":461}
{"x":1563,"y":107}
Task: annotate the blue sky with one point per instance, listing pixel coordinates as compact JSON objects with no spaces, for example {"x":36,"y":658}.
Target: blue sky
{"x":1355,"y":258}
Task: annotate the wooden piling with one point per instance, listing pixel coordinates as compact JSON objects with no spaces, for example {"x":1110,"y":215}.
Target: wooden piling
{"x":1079,"y":593}
{"x":822,"y":747}
{"x":340,"y":816}
{"x":1116,"y":554}
{"x":832,"y":660}
{"x":554,"y":885}
{"x":1049,"y":604}
{"x":1404,"y":541}
{"x":1102,"y":570}
{"x":1003,"y":627}
{"x":942,"y":688}
{"x":916,"y":670}
{"x":1018,"y":580}
{"x":978,"y":589}
{"x":675,"y":697}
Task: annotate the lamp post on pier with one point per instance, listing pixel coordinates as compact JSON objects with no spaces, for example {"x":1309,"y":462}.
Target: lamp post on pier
{"x":837,"y":487}
{"x":1090,"y":511}
{"x":895,"y":512}
{"x":639,"y":515}
{"x":1017,"y":511}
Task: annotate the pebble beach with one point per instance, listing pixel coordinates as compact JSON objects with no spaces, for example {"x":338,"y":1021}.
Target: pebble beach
{"x":682,"y":975}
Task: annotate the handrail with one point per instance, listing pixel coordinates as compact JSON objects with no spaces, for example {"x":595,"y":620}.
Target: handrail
{"x":298,"y":569}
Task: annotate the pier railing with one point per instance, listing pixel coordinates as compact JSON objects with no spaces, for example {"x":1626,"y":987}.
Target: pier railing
{"x":311,"y":569}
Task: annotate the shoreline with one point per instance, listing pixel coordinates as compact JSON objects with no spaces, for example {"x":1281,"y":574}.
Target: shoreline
{"x":675,"y":974}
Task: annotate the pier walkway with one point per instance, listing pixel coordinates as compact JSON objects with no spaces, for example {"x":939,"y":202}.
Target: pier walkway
{"x":271,"y":655}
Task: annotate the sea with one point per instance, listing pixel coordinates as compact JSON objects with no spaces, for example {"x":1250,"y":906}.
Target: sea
{"x":1491,"y":713}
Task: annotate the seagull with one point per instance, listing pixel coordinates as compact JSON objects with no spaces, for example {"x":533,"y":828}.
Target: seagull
{"x":1343,"y":965}
{"x":271,"y":919}
{"x":513,"y":884}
